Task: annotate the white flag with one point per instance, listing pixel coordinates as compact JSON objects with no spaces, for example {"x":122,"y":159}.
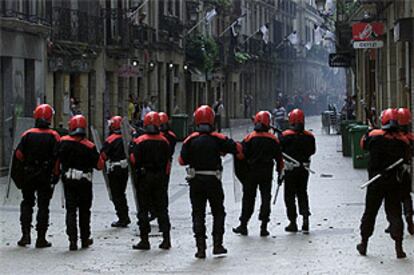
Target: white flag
{"x":265,"y":32}
{"x":293,"y":38}
{"x":329,"y":7}
{"x":134,"y":16}
{"x":237,"y":22}
{"x":308,"y":45}
{"x":210,"y":15}
{"x":318,"y":32}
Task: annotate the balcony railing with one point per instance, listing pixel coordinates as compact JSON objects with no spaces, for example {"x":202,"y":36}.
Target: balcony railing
{"x":117,"y":26}
{"x":76,"y":26}
{"x":172,"y":25}
{"x":142,"y":35}
{"x":31,"y":18}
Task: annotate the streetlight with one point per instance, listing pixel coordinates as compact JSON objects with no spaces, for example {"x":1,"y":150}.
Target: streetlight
{"x":151,"y":65}
{"x":185,"y":67}
{"x":134,"y":62}
{"x":171,"y":65}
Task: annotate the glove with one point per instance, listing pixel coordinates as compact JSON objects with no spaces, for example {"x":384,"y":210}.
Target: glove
{"x":281,"y":177}
{"x":289,"y":166}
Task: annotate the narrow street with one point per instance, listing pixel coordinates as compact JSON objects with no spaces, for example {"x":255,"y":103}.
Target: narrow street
{"x":336,"y":205}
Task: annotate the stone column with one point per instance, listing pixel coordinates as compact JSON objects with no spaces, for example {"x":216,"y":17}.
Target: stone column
{"x":99,"y":93}
{"x":83,"y":93}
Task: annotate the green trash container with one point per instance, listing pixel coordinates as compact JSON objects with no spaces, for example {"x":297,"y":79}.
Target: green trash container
{"x":359,"y":156}
{"x":179,"y":125}
{"x":346,"y":147}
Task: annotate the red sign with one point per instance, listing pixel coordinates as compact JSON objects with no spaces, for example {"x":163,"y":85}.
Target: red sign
{"x":127,"y":71}
{"x":367,"y":31}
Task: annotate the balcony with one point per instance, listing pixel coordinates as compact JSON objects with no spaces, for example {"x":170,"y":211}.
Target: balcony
{"x":171,"y":27}
{"x":75,"y":26}
{"x":142,"y":36}
{"x":23,"y":22}
{"x":117,"y":27}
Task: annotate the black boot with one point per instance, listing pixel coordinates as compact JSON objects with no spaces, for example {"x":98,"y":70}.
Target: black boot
{"x":410,"y":224}
{"x":25,"y":239}
{"x":399,"y":250}
{"x":120,"y":223}
{"x":41,"y":241}
{"x":263,"y":230}
{"x":201,"y":248}
{"x":305,"y":225}
{"x":292,"y":227}
{"x":143,"y":244}
{"x":87,"y":242}
{"x":166,"y":242}
{"x":73,"y":245}
{"x":218,"y":247}
{"x":362,"y":247}
{"x":241,"y":229}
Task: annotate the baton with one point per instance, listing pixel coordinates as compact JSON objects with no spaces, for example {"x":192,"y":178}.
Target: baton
{"x":277,"y":193}
{"x":297,"y":163}
{"x":392,"y":166}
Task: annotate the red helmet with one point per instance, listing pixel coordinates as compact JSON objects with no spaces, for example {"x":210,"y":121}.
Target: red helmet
{"x":152,"y":118}
{"x":404,"y":117}
{"x":44,"y":112}
{"x":262,"y":117}
{"x":163,"y":118}
{"x":296,"y":116}
{"x":389,"y":118}
{"x":77,"y":125}
{"x":204,"y":115}
{"x":115,"y":123}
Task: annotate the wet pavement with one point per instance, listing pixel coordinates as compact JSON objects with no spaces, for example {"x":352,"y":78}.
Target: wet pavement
{"x":336,"y":204}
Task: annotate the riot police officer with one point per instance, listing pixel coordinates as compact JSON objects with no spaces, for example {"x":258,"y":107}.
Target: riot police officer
{"x":386,"y":146}
{"x":202,"y":151}
{"x":299,"y":144}
{"x":150,"y":158}
{"x":113,"y":153}
{"x":168,"y":134}
{"x":37,"y":154}
{"x":78,"y":157}
{"x":404,"y":122}
{"x":261,"y":149}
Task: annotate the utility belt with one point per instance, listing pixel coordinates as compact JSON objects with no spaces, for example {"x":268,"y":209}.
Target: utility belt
{"x":113,"y":164}
{"x":73,"y":174}
{"x":192,"y":173}
{"x":290,"y":166}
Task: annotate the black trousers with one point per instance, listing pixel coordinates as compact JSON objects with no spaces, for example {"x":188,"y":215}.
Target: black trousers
{"x":296,"y":186}
{"x":406,"y":195}
{"x":44,"y":193}
{"x":263,"y":179}
{"x":152,"y":192}
{"x":118,"y":179}
{"x":203,"y":189}
{"x":390,"y":193}
{"x":78,"y":197}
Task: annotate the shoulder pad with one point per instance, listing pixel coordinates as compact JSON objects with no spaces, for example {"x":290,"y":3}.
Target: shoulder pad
{"x":42,"y":131}
{"x":288,"y":133}
{"x":146,"y":137}
{"x":218,"y":135}
{"x":171,"y":133}
{"x":261,"y":134}
{"x":193,"y":135}
{"x":376,"y":132}
{"x":113,"y":137}
{"x":308,"y":133}
{"x":87,"y":143}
